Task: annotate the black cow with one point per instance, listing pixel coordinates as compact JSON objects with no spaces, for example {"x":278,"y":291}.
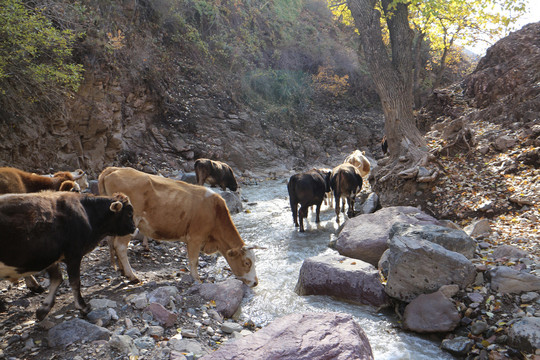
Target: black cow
{"x":39,"y":230}
{"x":215,"y":173}
{"x":345,"y":181}
{"x":307,"y":189}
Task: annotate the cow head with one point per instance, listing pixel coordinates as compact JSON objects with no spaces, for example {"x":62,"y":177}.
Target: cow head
{"x":123,"y":209}
{"x":242,"y":263}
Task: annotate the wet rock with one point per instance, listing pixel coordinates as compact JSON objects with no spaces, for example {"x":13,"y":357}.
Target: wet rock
{"x":345,"y":278}
{"x":234,"y":203}
{"x":417,"y":267}
{"x":364,"y":237}
{"x":525,"y":334}
{"x":162,"y":315}
{"x":507,"y":280}
{"x":124,"y":344}
{"x":228,"y":295}
{"x":459,"y":346}
{"x":76,"y":330}
{"x":313,"y":336}
{"x":429,"y":313}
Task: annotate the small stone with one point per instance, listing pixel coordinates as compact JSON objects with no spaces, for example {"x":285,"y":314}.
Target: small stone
{"x":229,"y":327}
{"x":478,"y":327}
{"x":155,"y":331}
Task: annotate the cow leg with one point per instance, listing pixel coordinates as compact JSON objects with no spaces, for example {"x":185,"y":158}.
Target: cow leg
{"x":294,"y":208}
{"x":193,"y":250}
{"x":302,"y":214}
{"x":33,"y":285}
{"x":145,"y":243}
{"x":350,"y":201}
{"x":120,"y":248}
{"x":337,"y":198}
{"x":74,"y":275}
{"x":317,"y":213}
{"x":55,"y":277}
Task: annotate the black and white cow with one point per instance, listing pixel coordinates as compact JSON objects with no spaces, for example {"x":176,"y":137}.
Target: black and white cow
{"x":39,"y":230}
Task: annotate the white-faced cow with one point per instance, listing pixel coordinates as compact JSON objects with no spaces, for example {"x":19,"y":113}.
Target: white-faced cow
{"x":13,"y":180}
{"x":358,"y":159}
{"x":307,"y":189}
{"x":215,"y":173}
{"x":39,"y":230}
{"x":345,"y":182}
{"x":167,"y":209}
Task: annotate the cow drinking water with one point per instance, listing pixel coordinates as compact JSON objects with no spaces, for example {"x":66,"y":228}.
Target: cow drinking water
{"x":215,"y":173}
{"x":167,"y":209}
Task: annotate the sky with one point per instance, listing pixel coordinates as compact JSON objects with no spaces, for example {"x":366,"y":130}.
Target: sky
{"x":533,"y":15}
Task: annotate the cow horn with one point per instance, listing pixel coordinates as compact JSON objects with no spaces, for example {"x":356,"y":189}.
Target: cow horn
{"x":252,"y":247}
{"x":116,"y":206}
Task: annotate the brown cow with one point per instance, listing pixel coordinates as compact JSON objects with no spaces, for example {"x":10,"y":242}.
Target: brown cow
{"x":167,"y":209}
{"x":13,"y":180}
{"x":345,"y":182}
{"x":215,"y":173}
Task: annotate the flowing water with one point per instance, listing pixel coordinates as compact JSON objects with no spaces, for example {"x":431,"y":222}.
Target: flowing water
{"x":267,"y":221}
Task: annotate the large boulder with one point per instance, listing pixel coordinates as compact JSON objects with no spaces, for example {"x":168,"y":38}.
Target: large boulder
{"x":451,"y":239}
{"x":345,"y":278}
{"x":76,"y":330}
{"x":417,"y":266}
{"x":311,"y":336}
{"x":365,"y":237}
{"x":430,"y":313}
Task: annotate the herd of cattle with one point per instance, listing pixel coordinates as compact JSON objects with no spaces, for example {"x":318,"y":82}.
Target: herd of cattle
{"x":312,"y":187}
{"x":48,"y":219}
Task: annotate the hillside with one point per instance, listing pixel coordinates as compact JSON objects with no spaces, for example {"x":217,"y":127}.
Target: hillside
{"x":166,"y":82}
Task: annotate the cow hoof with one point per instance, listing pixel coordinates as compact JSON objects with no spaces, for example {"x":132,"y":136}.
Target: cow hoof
{"x":36,"y":289}
{"x":41,"y":313}
{"x":134,"y":281}
{"x":84,"y":311}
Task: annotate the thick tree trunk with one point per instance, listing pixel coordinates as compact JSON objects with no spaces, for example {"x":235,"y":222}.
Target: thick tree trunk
{"x":393,"y":78}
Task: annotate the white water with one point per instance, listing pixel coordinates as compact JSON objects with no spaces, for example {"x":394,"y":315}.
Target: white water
{"x":267,"y":221}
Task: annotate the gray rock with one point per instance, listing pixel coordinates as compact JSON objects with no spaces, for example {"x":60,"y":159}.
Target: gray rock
{"x":421,"y":267}
{"x":133,"y":333}
{"x":431,"y":313}
{"x":478,"y":327}
{"x":76,"y":330}
{"x":162,"y":295}
{"x":311,"y":336}
{"x":139,"y":301}
{"x":162,"y":315}
{"x":511,"y":281}
{"x":371,"y":204}
{"x":101,"y":317}
{"x":345,"y":278}
{"x":124,"y":344}
{"x":190,"y":178}
{"x":228,"y":295}
{"x":459,"y":346}
{"x":365,"y":237}
{"x":234,"y":203}
{"x":102,"y":303}
{"x":478,"y":228}
{"x":229,"y":327}
{"x":529,"y":297}
{"x":155,"y":330}
{"x":509,"y":252}
{"x":450,"y":239}
{"x":525,"y":334}
{"x":145,"y":342}
{"x":186,"y":346}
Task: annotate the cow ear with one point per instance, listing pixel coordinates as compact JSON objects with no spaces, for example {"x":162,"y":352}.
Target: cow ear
{"x":234,"y":252}
{"x":116,"y":206}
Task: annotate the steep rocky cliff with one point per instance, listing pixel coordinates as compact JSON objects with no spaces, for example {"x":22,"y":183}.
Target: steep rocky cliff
{"x":152,"y":102}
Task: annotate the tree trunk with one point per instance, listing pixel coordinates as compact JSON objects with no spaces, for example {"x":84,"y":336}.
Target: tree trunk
{"x":417,"y":54}
{"x":393,"y":78}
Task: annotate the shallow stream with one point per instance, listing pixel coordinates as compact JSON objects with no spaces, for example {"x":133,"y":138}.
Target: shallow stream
{"x":267,"y":221}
